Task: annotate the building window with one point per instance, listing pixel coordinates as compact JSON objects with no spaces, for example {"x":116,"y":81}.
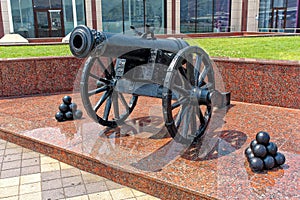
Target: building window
{"x":118,"y":16}
{"x":46,"y":18}
{"x":22,"y":15}
{"x":278,"y":15}
{"x":198,"y":16}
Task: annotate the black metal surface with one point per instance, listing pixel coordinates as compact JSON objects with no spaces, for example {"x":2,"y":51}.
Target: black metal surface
{"x":119,"y":68}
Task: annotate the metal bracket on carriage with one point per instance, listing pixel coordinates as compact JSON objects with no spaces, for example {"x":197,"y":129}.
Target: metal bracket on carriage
{"x":219,"y":99}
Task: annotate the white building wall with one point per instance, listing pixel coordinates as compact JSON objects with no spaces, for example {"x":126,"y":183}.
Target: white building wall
{"x":5,"y":16}
{"x":99,"y":14}
{"x":169,"y":16}
{"x":177,"y":17}
{"x":253,"y":11}
{"x":236,"y":15}
{"x":88,"y":13}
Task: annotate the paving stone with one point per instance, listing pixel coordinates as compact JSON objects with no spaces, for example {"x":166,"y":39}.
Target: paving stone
{"x":70,"y":172}
{"x":1,"y":152}
{"x":10,"y":173}
{"x":11,"y":145}
{"x":100,"y":196}
{"x":11,"y":165}
{"x":122,"y":193}
{"x":96,"y":187}
{"x":75,"y":191}
{"x":12,"y":157}
{"x":31,"y":154}
{"x":7,"y":182}
{"x":13,"y":151}
{"x":31,"y":178}
{"x":51,"y":184}
{"x":72,"y":181}
{"x":112,"y":185}
{"x":50,"y":167}
{"x":50,"y":175}
{"x":53,"y":194}
{"x":9,"y":191}
{"x":91,"y":178}
{"x":33,"y":196}
{"x":30,"y":162}
{"x":30,"y":188}
{"x":30,"y":170}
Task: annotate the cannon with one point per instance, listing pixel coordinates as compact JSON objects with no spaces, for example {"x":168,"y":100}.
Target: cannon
{"x":119,"y":68}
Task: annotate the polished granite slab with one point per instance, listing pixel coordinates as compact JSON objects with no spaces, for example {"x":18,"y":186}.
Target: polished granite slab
{"x":140,"y":153}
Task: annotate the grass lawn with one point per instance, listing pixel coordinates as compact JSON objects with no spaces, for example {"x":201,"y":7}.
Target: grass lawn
{"x":275,"y":48}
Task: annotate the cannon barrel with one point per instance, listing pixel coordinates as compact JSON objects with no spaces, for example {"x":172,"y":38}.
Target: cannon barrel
{"x":83,"y":40}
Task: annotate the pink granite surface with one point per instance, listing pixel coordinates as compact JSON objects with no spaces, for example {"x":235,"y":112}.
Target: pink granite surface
{"x":254,"y":81}
{"x":140,"y":153}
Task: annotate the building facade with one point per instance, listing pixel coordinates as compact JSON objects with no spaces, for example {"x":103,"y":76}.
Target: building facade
{"x":56,"y":18}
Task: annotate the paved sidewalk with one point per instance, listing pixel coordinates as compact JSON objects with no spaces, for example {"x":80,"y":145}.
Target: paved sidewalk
{"x":27,"y":175}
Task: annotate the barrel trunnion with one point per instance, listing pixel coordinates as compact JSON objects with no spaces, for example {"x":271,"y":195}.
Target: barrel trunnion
{"x":120,"y":68}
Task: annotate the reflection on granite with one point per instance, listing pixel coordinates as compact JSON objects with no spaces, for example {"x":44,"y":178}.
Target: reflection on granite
{"x":140,"y":153}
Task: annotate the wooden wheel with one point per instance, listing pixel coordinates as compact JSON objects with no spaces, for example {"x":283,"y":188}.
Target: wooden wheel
{"x":188,"y":86}
{"x":102,"y":102}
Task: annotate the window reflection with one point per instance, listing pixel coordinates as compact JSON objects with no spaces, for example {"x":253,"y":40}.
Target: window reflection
{"x":136,"y":12}
{"x":198,"y":16}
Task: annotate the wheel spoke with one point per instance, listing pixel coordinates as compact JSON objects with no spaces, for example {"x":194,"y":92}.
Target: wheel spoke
{"x":107,"y":74}
{"x":200,"y":115}
{"x":107,"y":108}
{"x":94,"y":76}
{"x":180,"y":101}
{"x":193,"y":121}
{"x":180,"y":115}
{"x":197,"y":69}
{"x":181,"y":90}
{"x":98,"y":90}
{"x":203,"y":75}
{"x":123,"y":101}
{"x":186,"y":123}
{"x":101,"y":101}
{"x":116,"y":105}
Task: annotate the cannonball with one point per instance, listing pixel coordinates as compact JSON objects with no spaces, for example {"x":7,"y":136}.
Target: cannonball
{"x":256,"y":164}
{"x":263,"y":138}
{"x":69,"y":115}
{"x":272,"y":148}
{"x":253,"y":143}
{"x":59,"y":116}
{"x":73,"y":107}
{"x":250,"y":156}
{"x":279,"y":158}
{"x":78,"y":114}
{"x":248,"y":150}
{"x":67,"y":100}
{"x":259,"y":150}
{"x":269,"y":162}
{"x":63,"y":108}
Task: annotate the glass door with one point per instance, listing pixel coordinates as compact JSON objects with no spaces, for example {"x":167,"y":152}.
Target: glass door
{"x":279,"y":19}
{"x":42,"y":24}
{"x":48,"y":23}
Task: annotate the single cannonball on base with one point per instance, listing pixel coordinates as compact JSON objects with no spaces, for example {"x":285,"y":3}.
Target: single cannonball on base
{"x":63,"y":108}
{"x":78,"y":114}
{"x":279,"y":159}
{"x":248,"y":150}
{"x":59,"y":116}
{"x":67,"y":100}
{"x":249,"y":156}
{"x":69,"y":115}
{"x":272,"y":148}
{"x":256,"y":164}
{"x":269,"y":162}
{"x":263,"y":138}
{"x":259,"y":150}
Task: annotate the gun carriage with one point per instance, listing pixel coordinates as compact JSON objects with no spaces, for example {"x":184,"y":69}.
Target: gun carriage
{"x":119,"y":68}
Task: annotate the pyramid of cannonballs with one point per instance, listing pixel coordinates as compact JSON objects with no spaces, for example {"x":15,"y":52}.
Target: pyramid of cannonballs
{"x":263,"y":154}
{"x":67,"y":110}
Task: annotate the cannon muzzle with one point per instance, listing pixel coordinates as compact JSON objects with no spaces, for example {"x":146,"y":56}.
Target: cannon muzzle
{"x":83,"y":40}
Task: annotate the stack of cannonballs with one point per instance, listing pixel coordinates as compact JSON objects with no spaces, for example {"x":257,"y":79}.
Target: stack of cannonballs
{"x":262,"y":154}
{"x":67,"y":110}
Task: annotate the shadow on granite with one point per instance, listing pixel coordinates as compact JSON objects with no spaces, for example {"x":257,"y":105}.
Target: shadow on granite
{"x":140,"y":153}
